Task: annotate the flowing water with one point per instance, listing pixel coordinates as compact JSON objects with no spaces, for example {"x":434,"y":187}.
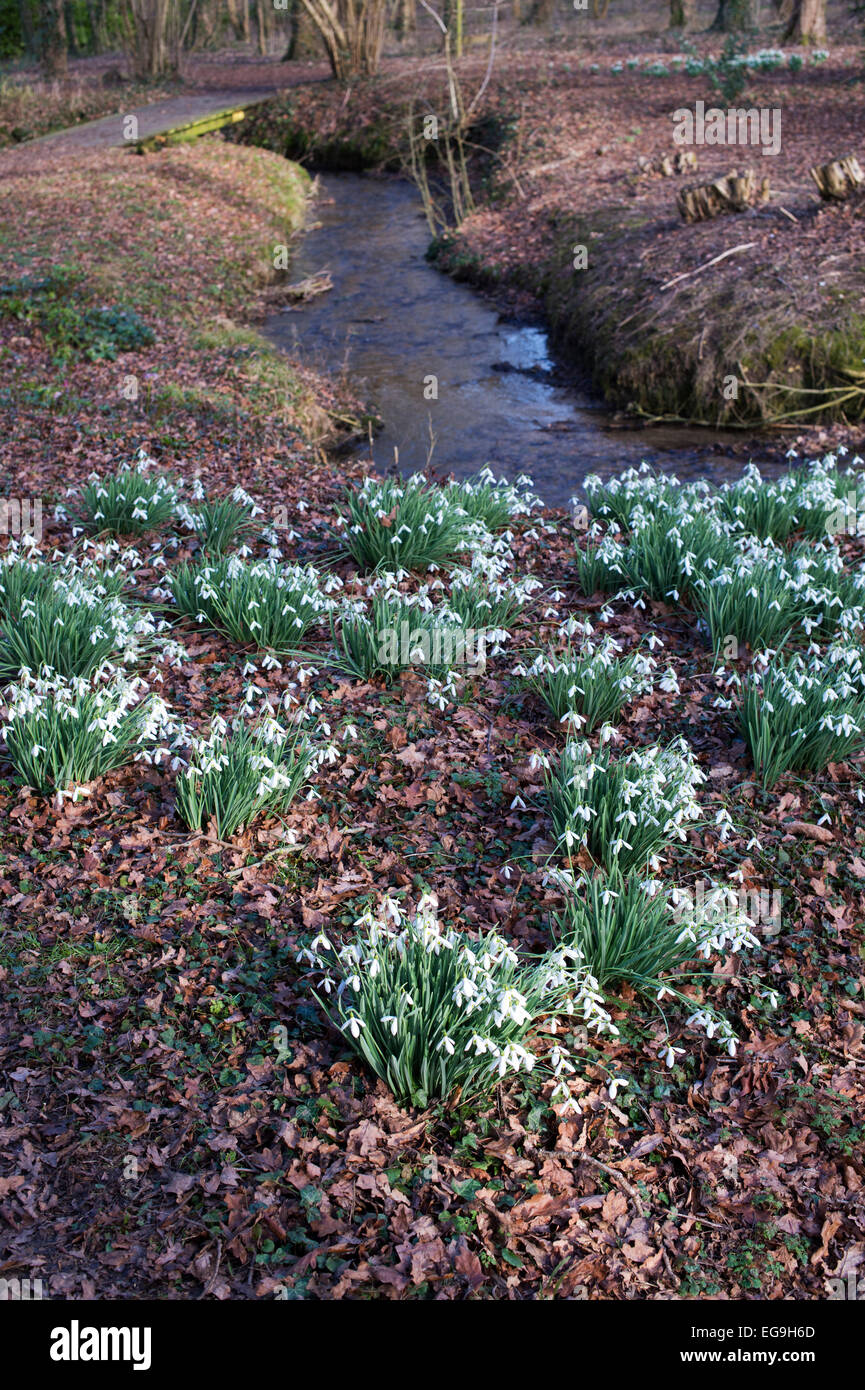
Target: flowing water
{"x":404,"y":331}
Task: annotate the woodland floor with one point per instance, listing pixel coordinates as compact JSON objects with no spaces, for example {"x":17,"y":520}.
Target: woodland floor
{"x":144,"y":971}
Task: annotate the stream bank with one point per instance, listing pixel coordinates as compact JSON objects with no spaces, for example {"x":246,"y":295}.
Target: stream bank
{"x":450,"y":377}
{"x":566,"y":157}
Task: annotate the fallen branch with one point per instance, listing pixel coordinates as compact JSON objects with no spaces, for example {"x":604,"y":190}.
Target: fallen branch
{"x":745,"y":246}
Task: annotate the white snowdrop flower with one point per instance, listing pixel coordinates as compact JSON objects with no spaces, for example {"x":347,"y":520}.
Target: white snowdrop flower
{"x":518,"y":804}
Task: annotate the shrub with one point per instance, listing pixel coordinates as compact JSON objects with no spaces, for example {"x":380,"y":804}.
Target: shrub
{"x":264,"y":604}
{"x":435,"y":1014}
{"x":801,"y":713}
{"x":728,"y":74}
{"x":589,"y":686}
{"x":626,"y":811}
{"x":404,"y":524}
{"x":62,"y":734}
{"x":234,"y":777}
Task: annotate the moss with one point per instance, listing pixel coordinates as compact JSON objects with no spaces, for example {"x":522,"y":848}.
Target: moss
{"x":449,"y":255}
{"x":676,"y":359}
{"x":267,"y":382}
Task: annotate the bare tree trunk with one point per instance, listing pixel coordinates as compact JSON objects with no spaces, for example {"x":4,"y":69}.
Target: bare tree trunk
{"x":304,"y":40}
{"x":807,"y":22}
{"x":405,"y":19}
{"x":353,"y":33}
{"x":206,"y":20}
{"x":153,"y":37}
{"x":52,"y":38}
{"x":69,"y":17}
{"x":261,"y":13}
{"x":737,"y":16}
{"x":238,"y":18}
{"x":98,"y":37}
{"x":682,"y":13}
{"x":26,"y":20}
{"x":541,"y":12}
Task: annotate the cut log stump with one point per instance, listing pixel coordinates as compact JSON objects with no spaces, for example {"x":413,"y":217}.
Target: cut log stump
{"x":734,"y":192}
{"x":839,"y":178}
{"x":668,"y":165}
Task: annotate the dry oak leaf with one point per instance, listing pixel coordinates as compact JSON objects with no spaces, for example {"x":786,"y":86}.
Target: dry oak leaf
{"x":821,"y":833}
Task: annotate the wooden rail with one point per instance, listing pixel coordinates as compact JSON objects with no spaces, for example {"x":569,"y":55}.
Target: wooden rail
{"x":178,"y":135}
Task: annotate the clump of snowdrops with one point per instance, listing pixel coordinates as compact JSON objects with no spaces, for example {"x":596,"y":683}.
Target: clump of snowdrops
{"x":625,"y":810}
{"x":69,"y":618}
{"x":264,"y":604}
{"x":236,"y":774}
{"x":410,"y":524}
{"x":637,"y":931}
{"x":587,"y":685}
{"x":439,"y":1015}
{"x":132,"y":500}
{"x":62,"y":733}
{"x":801,"y":712}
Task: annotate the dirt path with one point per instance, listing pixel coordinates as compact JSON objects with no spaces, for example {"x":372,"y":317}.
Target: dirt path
{"x":111,"y":131}
{"x":152,"y":119}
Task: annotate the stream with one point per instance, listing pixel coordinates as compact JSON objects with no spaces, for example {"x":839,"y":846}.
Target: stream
{"x":392,"y":322}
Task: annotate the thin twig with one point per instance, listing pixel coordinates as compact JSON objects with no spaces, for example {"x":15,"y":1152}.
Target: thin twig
{"x":686,"y":275}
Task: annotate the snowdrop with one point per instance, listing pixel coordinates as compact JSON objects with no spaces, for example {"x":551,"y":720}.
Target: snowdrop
{"x":441,"y":1011}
